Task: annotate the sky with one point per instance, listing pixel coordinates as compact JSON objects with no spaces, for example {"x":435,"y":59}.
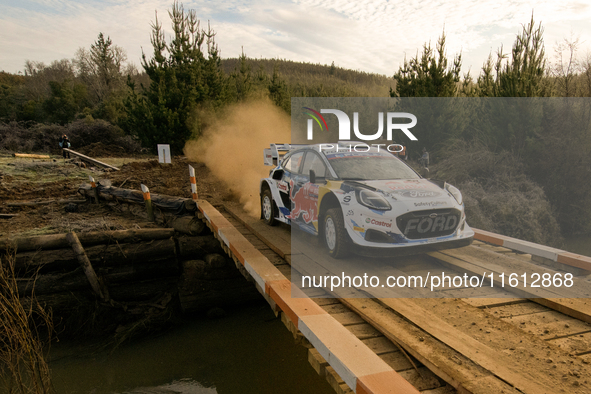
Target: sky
{"x":372,"y":36}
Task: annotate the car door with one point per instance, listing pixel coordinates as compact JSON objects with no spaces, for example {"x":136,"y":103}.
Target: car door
{"x":304,"y":195}
{"x":291,"y":169}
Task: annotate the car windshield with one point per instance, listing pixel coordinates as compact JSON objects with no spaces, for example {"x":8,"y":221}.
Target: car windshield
{"x":369,"y":166}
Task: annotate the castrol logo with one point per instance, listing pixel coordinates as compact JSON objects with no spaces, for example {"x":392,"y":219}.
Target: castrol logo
{"x":378,"y":222}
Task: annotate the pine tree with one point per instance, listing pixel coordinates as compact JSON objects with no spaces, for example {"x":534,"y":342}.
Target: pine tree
{"x":278,"y":91}
{"x":242,"y":78}
{"x":428,"y":75}
{"x":182,"y":78}
{"x":523,"y":74}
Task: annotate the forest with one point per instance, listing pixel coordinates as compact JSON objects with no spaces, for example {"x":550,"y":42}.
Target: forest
{"x":531,"y":181}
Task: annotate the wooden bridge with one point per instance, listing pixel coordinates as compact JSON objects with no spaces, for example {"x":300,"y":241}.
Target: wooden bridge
{"x":519,"y":342}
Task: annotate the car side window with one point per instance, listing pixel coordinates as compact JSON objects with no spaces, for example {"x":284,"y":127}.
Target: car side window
{"x":314,"y":162}
{"x":293,"y":163}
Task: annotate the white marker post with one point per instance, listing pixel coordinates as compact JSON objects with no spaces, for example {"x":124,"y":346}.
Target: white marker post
{"x":94,"y":189}
{"x":148,"y":201}
{"x":164,"y":153}
{"x":193,"y":182}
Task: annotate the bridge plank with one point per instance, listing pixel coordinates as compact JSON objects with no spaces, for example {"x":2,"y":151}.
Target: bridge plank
{"x":471,"y":261}
{"x":276,"y":240}
{"x":448,"y":364}
{"x":500,"y":364}
{"x":91,"y":160}
{"x":493,"y":302}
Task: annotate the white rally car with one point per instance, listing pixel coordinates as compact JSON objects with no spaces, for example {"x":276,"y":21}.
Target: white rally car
{"x":366,"y":201}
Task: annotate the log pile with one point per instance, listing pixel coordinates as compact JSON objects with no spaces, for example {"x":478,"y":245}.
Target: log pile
{"x":112,"y":275}
{"x":126,"y":269}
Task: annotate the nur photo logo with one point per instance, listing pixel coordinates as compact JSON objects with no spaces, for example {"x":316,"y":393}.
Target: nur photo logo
{"x":390,"y":119}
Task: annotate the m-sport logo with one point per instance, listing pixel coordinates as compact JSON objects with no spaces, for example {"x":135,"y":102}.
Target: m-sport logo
{"x":345,"y":124}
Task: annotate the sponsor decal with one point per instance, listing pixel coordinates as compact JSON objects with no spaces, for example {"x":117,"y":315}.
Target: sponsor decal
{"x":395,"y":185}
{"x":430,"y":204}
{"x":305,"y":202}
{"x":419,"y":193}
{"x":360,"y":229}
{"x":347,"y":199}
{"x":379,"y":223}
{"x":282,"y":186}
{"x":429,"y":224}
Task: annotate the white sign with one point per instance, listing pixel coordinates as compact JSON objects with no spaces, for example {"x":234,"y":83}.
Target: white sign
{"x":164,"y":153}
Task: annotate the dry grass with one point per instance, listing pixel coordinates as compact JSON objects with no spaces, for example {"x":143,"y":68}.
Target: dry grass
{"x":23,"y":368}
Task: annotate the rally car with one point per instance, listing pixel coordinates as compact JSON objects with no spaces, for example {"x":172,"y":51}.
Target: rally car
{"x":361,"y":200}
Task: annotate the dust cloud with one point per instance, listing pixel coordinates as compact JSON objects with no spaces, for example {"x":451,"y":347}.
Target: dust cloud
{"x":232,"y":147}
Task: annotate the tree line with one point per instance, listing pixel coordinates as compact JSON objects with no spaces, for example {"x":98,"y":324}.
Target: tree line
{"x":525,"y":163}
{"x":184,"y":81}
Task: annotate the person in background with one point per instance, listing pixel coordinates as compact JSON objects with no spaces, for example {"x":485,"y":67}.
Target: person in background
{"x":402,"y":154}
{"x":64,"y":142}
{"x":424,"y":160}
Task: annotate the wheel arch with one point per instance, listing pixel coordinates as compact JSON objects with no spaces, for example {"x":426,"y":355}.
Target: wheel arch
{"x":265,"y":186}
{"x":329,"y":200}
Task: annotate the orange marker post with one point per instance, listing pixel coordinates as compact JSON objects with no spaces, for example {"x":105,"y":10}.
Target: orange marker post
{"x":94,"y":189}
{"x":148,"y":201}
{"x":193,"y":183}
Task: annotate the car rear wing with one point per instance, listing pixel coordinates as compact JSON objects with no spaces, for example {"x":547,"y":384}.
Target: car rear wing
{"x":275,"y":153}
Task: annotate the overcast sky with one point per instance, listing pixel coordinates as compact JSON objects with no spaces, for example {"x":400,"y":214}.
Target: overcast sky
{"x":371,"y":36}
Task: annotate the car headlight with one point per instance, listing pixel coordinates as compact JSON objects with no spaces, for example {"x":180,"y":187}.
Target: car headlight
{"x":372,"y":200}
{"x":454,"y":192}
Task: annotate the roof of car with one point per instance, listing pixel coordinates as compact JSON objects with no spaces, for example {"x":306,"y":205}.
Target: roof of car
{"x":344,"y":147}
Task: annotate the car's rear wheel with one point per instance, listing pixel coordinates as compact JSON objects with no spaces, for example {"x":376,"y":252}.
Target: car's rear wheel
{"x":268,"y":208}
{"x":335,"y":235}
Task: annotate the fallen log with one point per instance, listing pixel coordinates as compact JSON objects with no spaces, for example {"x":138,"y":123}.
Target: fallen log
{"x":30,"y":156}
{"x":47,"y":202}
{"x":118,"y":254}
{"x":91,"y":160}
{"x":76,"y":280}
{"x":143,"y":290}
{"x":177,"y":205}
{"x":198,"y":247}
{"x":71,"y":301}
{"x":100,"y":256}
{"x":59,"y":241}
{"x":190,"y":225}
{"x":98,"y":287}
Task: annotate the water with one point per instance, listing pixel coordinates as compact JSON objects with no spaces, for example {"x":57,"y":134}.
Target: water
{"x":580,"y":244}
{"x":248,"y":351}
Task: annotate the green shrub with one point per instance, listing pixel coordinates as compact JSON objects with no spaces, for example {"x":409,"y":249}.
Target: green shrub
{"x":498,"y":196}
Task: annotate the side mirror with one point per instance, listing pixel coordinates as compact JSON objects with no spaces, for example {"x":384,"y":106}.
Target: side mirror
{"x":312,"y":176}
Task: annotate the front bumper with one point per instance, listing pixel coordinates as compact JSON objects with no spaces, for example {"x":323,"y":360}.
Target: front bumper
{"x":397,"y":251}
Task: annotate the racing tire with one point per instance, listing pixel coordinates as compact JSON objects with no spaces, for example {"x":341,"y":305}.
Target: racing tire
{"x":336,"y":238}
{"x":268,"y":208}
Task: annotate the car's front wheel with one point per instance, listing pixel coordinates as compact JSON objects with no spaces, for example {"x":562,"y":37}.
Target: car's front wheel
{"x":335,"y":235}
{"x":268,"y":208}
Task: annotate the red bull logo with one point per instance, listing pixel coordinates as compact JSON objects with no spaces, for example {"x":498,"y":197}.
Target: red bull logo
{"x":305,"y":202}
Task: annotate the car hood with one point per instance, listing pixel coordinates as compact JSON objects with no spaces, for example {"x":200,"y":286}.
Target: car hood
{"x":409,"y":189}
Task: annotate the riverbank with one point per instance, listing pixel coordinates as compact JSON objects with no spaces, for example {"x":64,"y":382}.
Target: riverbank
{"x":248,"y":351}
